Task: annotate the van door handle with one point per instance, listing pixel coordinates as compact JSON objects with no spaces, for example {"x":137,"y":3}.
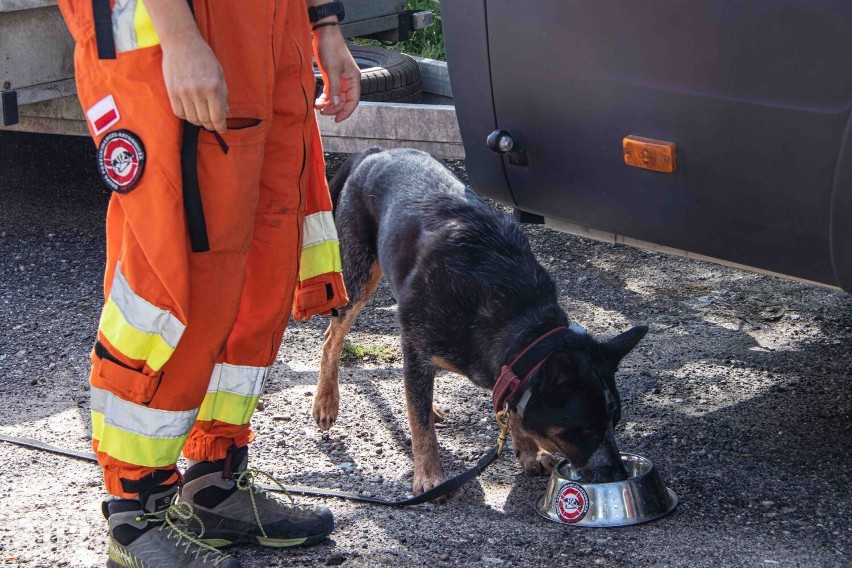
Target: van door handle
{"x":502,"y":142}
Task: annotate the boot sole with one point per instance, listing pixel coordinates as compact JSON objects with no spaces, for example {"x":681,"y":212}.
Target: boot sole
{"x":224,"y":542}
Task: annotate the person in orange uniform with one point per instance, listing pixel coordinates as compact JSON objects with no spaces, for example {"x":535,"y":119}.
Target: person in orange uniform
{"x":218,"y":229}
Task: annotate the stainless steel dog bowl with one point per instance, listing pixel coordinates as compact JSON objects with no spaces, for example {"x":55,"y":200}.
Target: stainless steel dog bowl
{"x":640,"y":498}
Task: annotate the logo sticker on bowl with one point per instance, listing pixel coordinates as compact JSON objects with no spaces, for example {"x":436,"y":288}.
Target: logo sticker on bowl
{"x":572,"y":503}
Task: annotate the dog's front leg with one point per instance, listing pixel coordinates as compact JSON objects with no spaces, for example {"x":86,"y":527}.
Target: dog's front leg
{"x":327,"y":399}
{"x":533,"y":459}
{"x":361,"y":285}
{"x":419,"y":378}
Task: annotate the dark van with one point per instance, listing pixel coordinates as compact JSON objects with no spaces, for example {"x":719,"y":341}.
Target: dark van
{"x":714,"y":128}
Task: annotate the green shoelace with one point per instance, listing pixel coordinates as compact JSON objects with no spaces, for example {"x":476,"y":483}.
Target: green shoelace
{"x":175,"y":520}
{"x":247,"y":481}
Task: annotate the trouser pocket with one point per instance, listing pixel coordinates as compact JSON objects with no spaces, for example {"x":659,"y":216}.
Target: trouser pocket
{"x":111,"y":374}
{"x":229,"y":169}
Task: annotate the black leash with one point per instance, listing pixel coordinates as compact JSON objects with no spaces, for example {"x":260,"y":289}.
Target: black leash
{"x":444,"y":489}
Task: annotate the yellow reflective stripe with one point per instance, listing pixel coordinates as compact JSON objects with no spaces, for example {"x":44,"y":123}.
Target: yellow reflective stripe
{"x":97,"y":426}
{"x":227,"y":407}
{"x":318,"y":227}
{"x":134,"y":448}
{"x":132,"y":343}
{"x":142,"y":314}
{"x":146,"y":36}
{"x":319,"y":259}
{"x":136,"y":327}
{"x":131,"y":26}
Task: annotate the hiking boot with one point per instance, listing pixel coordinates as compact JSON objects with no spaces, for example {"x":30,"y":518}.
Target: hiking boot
{"x":233,"y":509}
{"x":151,"y":532}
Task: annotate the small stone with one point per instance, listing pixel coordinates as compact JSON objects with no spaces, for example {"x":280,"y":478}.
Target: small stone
{"x":260,"y":406}
{"x":335,"y":559}
{"x":445,"y":557}
{"x":34,"y":382}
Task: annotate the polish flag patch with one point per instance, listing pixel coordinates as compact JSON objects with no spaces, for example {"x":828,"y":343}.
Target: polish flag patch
{"x":103,"y":114}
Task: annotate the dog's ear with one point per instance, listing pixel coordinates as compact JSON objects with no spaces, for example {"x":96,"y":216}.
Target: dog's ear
{"x":559,"y":375}
{"x":622,"y":344}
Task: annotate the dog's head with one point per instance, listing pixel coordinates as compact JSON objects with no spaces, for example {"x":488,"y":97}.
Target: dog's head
{"x":574,"y":404}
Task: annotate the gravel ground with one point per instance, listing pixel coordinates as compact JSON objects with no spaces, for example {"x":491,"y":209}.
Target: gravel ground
{"x":740,"y":394}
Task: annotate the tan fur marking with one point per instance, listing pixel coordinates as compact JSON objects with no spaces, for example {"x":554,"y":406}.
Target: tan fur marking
{"x":428,"y":472}
{"x":327,"y":400}
{"x":531,"y":451}
{"x":442,"y":363}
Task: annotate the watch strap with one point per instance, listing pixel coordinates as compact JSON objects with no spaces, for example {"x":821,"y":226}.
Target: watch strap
{"x":317,"y":13}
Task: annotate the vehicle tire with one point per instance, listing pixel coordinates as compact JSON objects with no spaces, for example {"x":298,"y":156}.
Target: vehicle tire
{"x":386,"y":76}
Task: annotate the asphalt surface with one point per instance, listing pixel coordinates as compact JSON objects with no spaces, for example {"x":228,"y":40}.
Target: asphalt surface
{"x":740,"y":394}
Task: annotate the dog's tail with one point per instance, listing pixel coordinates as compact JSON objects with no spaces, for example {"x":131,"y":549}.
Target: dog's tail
{"x":335,"y":186}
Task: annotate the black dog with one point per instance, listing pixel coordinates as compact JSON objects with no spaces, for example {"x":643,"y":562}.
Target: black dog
{"x":471,"y":298}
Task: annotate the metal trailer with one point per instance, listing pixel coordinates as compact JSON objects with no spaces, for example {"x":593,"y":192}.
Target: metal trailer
{"x":37,"y":90}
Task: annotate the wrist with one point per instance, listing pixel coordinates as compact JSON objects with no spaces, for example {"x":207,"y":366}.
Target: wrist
{"x":173,"y":22}
{"x":326,"y":20}
{"x":326,"y":25}
{"x":181,"y":39}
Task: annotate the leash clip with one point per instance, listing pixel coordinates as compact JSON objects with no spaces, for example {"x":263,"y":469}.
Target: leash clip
{"x":503,"y":423}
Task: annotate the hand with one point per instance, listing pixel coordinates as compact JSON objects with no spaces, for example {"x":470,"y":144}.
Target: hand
{"x":195,"y":82}
{"x":340,"y":74}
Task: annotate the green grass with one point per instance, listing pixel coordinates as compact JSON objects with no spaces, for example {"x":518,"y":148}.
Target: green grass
{"x":353,"y":353}
{"x":428,"y":42}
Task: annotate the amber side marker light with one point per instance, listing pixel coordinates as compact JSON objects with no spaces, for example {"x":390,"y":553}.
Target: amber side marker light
{"x":649,"y":154}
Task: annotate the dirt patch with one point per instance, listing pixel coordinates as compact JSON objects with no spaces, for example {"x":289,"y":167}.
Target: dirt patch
{"x":740,"y":394}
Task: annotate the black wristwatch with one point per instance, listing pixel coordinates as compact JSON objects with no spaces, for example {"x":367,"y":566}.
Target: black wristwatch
{"x":317,"y":13}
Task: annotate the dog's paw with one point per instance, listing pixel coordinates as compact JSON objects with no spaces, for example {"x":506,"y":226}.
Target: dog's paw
{"x":325,"y":409}
{"x":439,"y":413}
{"x":537,"y":463}
{"x":423,"y":482}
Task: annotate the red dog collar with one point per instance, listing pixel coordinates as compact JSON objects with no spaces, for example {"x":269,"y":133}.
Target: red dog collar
{"x":509,"y":385}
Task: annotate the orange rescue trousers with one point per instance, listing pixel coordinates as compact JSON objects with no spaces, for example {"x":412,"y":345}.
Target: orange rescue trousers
{"x":186,"y":338}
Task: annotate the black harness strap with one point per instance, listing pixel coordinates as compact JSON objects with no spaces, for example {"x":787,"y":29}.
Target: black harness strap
{"x":102,"y":16}
{"x":191,"y":191}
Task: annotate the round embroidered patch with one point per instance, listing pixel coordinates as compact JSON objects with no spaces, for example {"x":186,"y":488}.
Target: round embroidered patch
{"x":121,"y":160}
{"x":572,"y":503}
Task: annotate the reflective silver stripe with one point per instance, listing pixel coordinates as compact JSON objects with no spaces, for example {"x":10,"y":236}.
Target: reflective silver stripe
{"x":577,"y":328}
{"x":238,"y":379}
{"x":319,"y":228}
{"x":124,"y":25}
{"x":140,"y":314}
{"x":148,"y":422}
